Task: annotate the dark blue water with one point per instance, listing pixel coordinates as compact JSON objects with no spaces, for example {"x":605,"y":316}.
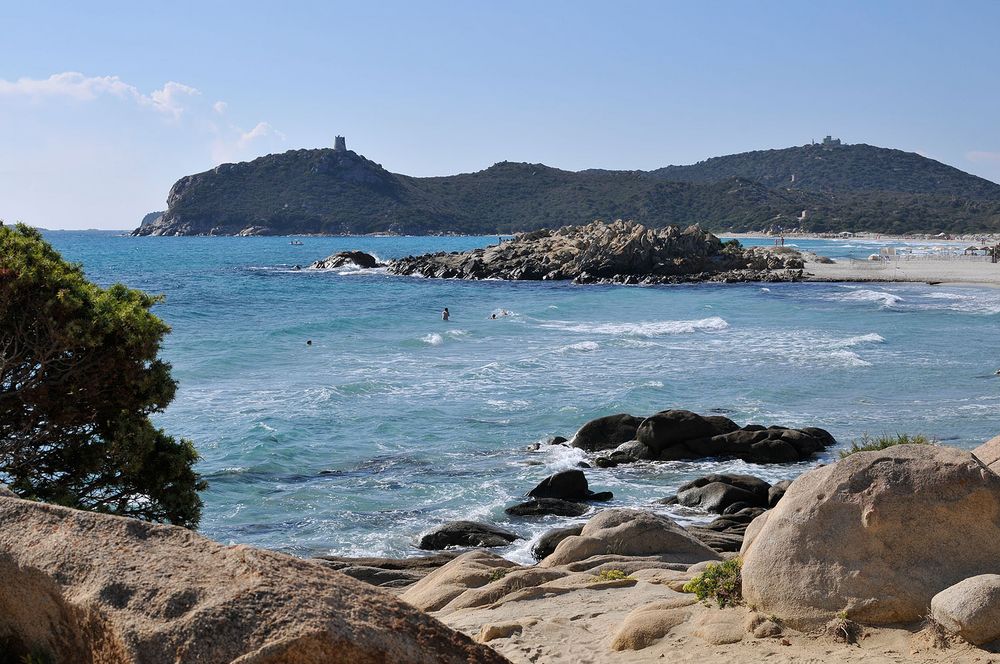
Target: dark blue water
{"x":393,"y":421}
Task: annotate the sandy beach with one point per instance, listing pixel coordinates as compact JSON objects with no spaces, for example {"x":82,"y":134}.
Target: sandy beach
{"x":934,"y":270}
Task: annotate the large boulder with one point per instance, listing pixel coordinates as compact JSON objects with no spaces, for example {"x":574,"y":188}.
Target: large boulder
{"x":970,"y":608}
{"x":85,"y":587}
{"x":630,"y":532}
{"x":606,"y":433}
{"x":466,"y":533}
{"x":567,"y":485}
{"x":877,"y":535}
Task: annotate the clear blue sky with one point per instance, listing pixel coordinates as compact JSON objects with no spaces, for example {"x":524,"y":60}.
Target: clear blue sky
{"x":103,"y":105}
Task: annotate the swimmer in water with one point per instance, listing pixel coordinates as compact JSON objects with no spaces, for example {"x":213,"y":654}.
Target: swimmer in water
{"x":445,"y":315}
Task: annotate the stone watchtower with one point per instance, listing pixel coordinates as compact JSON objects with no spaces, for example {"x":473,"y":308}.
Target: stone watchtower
{"x":340,"y":144}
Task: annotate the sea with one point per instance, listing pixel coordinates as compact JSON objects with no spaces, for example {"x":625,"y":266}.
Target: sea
{"x":393,"y":421}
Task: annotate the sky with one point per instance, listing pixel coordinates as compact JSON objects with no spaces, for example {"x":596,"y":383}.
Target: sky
{"x":104,"y":105}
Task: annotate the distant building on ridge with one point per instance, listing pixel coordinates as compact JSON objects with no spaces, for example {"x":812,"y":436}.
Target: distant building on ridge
{"x":340,"y":144}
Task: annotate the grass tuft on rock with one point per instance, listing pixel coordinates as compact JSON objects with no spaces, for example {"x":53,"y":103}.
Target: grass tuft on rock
{"x":720,"y":582}
{"x":868,"y":443}
{"x":498,"y":574}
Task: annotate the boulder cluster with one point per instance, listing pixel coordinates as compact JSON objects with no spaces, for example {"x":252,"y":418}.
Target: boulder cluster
{"x":621,"y":252}
{"x":671,"y":435}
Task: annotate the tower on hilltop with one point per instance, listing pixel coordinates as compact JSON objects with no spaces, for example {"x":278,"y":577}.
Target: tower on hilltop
{"x":340,"y":144}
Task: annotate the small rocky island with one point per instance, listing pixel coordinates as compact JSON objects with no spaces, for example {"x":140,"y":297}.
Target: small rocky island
{"x":621,"y":252}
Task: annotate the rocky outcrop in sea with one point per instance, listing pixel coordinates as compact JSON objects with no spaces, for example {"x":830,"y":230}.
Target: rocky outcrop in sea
{"x":621,"y":252}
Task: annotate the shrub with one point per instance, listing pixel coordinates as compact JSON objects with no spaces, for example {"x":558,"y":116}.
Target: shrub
{"x":720,"y":582}
{"x":498,"y":574}
{"x":79,"y":378}
{"x":869,"y":443}
{"x":612,"y":575}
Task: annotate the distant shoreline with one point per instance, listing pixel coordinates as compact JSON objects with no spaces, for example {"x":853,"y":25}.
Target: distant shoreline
{"x":934,"y":271}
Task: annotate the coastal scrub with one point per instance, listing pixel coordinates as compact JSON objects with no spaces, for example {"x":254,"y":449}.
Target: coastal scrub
{"x":79,"y":377}
{"x":720,"y":582}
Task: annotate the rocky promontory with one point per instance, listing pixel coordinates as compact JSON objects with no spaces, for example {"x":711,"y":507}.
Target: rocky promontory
{"x":622,"y":252}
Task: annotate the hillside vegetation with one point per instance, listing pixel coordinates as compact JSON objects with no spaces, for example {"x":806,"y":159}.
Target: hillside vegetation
{"x":856,"y":187}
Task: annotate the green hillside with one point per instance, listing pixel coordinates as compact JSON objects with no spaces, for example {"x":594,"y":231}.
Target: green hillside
{"x":838,"y":188}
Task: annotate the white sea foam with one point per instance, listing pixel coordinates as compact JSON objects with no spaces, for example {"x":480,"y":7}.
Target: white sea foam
{"x":870,"y":338}
{"x":883,"y":298}
{"x":581,"y":347}
{"x":434,"y":339}
{"x":847,"y":358}
{"x":644,"y":329}
{"x":457,"y":333}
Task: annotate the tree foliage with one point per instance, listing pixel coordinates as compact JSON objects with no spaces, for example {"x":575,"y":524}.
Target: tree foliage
{"x":79,"y":378}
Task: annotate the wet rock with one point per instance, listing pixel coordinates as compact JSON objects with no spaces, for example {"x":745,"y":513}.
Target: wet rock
{"x":388,"y":572}
{"x":543,"y":506}
{"x":548,"y":542}
{"x":669,"y":428}
{"x":567,"y":485}
{"x":607,"y":432}
{"x":466,"y":534}
{"x":345,"y":258}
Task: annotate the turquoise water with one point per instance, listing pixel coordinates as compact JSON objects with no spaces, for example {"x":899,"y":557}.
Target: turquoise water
{"x":393,"y":421}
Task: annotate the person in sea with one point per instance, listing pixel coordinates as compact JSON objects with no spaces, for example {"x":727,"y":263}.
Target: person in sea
{"x":445,"y":315}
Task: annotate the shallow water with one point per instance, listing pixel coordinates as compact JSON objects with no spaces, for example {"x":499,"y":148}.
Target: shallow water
{"x":393,"y":421}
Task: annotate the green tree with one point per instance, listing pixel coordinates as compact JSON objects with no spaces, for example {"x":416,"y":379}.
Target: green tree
{"x":79,"y":378}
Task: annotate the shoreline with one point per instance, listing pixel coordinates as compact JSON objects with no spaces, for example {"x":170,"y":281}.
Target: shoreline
{"x":931,"y":271}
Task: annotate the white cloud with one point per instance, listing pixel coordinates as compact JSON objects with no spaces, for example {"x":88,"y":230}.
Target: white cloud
{"x":169,"y":100}
{"x":220,"y":107}
{"x":981,"y":156}
{"x":262,"y":130}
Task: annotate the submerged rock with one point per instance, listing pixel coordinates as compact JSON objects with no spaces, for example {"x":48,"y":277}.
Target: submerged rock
{"x":85,"y":587}
{"x":619,"y":252}
{"x":466,"y":534}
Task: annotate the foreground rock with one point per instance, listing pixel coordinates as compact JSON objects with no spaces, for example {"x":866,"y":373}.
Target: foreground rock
{"x":628,"y":532}
{"x":619,"y":252}
{"x":346,"y":259}
{"x":989,"y":454}
{"x":84,"y":587}
{"x":877,"y":535}
{"x":388,"y":572}
{"x":681,"y":434}
{"x":466,"y":534}
{"x":970,"y":608}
